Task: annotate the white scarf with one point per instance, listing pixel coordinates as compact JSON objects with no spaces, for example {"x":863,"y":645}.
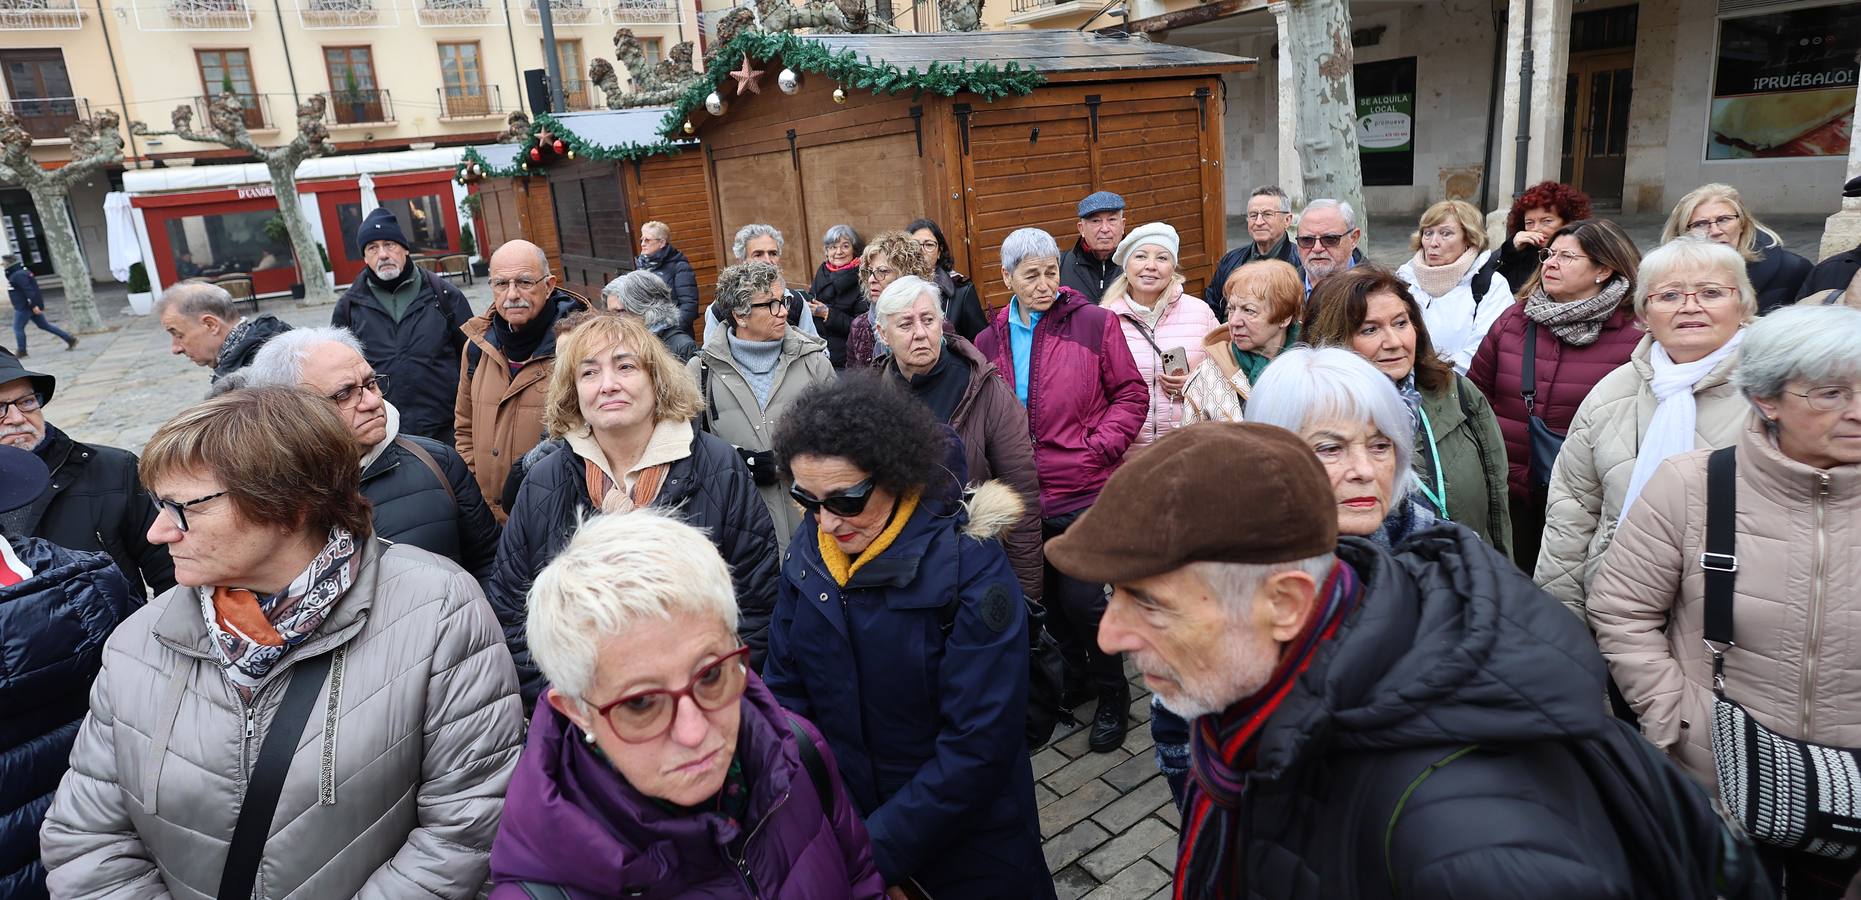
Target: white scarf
{"x":1675,"y":421}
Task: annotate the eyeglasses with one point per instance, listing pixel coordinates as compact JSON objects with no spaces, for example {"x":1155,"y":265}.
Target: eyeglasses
{"x":500,"y":285}
{"x":1710,"y":295}
{"x":376,"y":384}
{"x":879,"y":273}
{"x":647,"y":715}
{"x":1562,"y":256}
{"x":26,"y":404}
{"x":780,"y":300}
{"x":1266,"y":215}
{"x":1719,"y":222}
{"x":1827,"y":398}
{"x":178,"y":511}
{"x":845,"y":503}
{"x":930,"y":245}
{"x":1307,"y":241}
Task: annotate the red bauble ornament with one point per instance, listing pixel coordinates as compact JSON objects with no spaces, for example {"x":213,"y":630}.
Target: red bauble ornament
{"x":536,"y":154}
{"x":558,"y":146}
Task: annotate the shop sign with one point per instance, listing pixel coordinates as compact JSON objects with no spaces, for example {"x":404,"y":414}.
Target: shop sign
{"x":1386,"y":124}
{"x":1784,"y":84}
{"x":1386,"y":120}
{"x":253,"y":192}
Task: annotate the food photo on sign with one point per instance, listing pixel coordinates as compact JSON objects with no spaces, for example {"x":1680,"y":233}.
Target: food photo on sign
{"x":1784,"y":85}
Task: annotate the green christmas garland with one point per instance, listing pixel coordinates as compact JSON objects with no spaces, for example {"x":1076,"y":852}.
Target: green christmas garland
{"x":986,"y":80}
{"x":472,"y":157}
{"x":584,"y":149}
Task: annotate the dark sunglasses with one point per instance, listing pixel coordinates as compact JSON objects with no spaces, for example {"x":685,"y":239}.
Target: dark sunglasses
{"x":1306,"y":241}
{"x":846,"y":503}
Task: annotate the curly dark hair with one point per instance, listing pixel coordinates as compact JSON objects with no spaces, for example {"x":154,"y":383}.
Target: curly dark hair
{"x":878,"y":428}
{"x":1339,"y":304}
{"x":1569,"y":203}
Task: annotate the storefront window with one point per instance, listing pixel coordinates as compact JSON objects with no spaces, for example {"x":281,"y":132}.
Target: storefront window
{"x":1784,"y":84}
{"x":211,"y":246}
{"x":422,"y":220}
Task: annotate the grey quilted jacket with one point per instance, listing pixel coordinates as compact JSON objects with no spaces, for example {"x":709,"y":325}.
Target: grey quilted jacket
{"x":399,"y":777}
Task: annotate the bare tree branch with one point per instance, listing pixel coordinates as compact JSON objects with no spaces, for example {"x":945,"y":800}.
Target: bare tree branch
{"x":96,"y":143}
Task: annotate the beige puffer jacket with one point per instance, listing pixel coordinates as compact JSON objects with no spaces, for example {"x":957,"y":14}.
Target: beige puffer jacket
{"x":1797,"y":665}
{"x":399,"y":777}
{"x":1592,"y":472}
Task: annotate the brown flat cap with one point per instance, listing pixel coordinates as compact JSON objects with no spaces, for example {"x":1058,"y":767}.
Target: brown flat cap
{"x":1211,"y":492}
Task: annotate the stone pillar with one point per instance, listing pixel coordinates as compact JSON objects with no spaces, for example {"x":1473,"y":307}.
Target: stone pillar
{"x":1291,"y":176}
{"x":1843,"y":231}
{"x":1550,"y":51}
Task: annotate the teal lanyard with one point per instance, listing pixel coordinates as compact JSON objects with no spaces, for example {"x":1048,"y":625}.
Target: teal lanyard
{"x":1438,"y":496}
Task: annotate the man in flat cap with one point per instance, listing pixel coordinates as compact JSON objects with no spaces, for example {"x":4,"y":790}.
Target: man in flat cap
{"x":1087,"y":268}
{"x":1840,"y":273}
{"x":1364,"y":725}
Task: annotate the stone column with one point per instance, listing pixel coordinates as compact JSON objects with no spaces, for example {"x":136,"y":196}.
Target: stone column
{"x":1291,"y":176}
{"x":1550,"y":52}
{"x":1843,"y":231}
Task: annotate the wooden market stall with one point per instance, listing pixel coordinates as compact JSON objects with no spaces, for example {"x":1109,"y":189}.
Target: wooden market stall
{"x":512,"y":204}
{"x":984,"y":132}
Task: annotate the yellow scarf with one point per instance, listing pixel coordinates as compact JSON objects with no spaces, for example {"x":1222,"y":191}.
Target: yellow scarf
{"x":841,"y":566}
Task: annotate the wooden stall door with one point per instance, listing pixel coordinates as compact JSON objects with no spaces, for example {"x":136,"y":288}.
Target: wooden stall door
{"x":761,"y":188}
{"x":1149,"y":153}
{"x":591,"y":218}
{"x":500,"y":216}
{"x":671,"y":189}
{"x":873,"y":184}
{"x":1016,"y":178}
{"x":539,"y":219}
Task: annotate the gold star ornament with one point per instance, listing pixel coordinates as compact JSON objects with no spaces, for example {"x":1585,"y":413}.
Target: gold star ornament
{"x":747,"y":78}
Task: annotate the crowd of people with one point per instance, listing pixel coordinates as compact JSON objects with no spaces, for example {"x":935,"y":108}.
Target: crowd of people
{"x":1525,"y":568}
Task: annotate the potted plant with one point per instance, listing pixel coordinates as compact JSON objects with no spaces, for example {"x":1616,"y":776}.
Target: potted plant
{"x":141,"y":299}
{"x":358,"y":104}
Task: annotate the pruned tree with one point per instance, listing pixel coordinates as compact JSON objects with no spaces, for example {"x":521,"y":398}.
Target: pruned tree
{"x":96,"y":143}
{"x":1318,"y":35}
{"x":226,"y":126}
{"x":516,"y":128}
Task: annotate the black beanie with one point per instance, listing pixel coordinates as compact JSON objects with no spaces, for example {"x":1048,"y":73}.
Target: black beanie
{"x":380,"y":226}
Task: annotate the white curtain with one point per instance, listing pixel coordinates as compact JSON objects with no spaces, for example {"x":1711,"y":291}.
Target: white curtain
{"x":119,"y":221}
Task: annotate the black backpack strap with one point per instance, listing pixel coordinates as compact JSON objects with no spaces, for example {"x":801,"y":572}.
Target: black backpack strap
{"x":704,"y":389}
{"x":432,"y":465}
{"x":1389,"y":831}
{"x":1720,"y":560}
{"x":537,"y":890}
{"x":1528,"y":369}
{"x":1483,"y":279}
{"x":274,"y":762}
{"x":812,"y":761}
{"x":472,"y":354}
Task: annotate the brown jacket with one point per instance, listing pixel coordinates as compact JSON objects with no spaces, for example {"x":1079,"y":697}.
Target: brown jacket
{"x":1797,"y":663}
{"x":498,"y":416}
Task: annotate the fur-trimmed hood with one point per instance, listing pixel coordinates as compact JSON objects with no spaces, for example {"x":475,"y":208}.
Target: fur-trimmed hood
{"x":993,"y":508}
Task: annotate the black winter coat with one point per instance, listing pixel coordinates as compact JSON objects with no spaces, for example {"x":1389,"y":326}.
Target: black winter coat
{"x":1216,"y":297}
{"x":845,"y":296}
{"x":419,"y":354}
{"x":1834,"y":273}
{"x":1450,"y":646}
{"x":1083,"y":271}
{"x":675,"y":270}
{"x":1777,"y":276}
{"x":243,"y":345}
{"x":1516,"y":264}
{"x":52,"y":629}
{"x":711,"y":488}
{"x":411,"y":506}
{"x":23,"y":288}
{"x":96,"y":503}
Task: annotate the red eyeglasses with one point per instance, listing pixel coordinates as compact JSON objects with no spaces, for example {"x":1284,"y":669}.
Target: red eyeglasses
{"x":647,"y":715}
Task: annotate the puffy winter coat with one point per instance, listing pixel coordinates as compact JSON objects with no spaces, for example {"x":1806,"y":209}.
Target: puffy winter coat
{"x":1777,"y":274}
{"x":24,"y":288}
{"x":1794,"y":606}
{"x":572,"y":820}
{"x":993,"y":428}
{"x":397,"y":782}
{"x":1083,"y":271}
{"x":1564,"y":375}
{"x":1591,"y":476}
{"x":710,"y":488}
{"x":1214,"y":295}
{"x":962,"y":306}
{"x":916,"y":673}
{"x":1186,"y":320}
{"x":242,"y":345}
{"x":675,"y":270}
{"x":96,"y":503}
{"x":1086,"y":400}
{"x":845,"y":297}
{"x":419,"y":353}
{"x":1517,"y":264}
{"x":1472,"y":456}
{"x":411,"y":505}
{"x":498,"y":414}
{"x":731,"y":412}
{"x":1450,"y":646}
{"x":52,"y":629}
{"x":1458,"y":321}
{"x":1834,"y":273}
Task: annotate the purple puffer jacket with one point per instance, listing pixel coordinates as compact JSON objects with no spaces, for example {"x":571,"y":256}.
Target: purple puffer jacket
{"x":571,"y":820}
{"x":1086,"y":400}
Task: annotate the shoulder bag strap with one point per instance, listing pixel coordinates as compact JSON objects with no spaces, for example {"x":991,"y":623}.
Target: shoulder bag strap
{"x":1389,"y":831}
{"x":427,"y":460}
{"x":816,"y":766}
{"x":704,"y":389}
{"x":537,"y":890}
{"x":1528,"y":369}
{"x":274,"y":762}
{"x":1720,"y":561}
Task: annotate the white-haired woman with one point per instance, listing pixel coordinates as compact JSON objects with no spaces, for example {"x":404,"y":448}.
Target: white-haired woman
{"x":1163,"y":326}
{"x":1793,"y":604}
{"x":750,"y":373}
{"x":1675,"y":394}
{"x":1717,"y":213}
{"x":645,"y":295}
{"x":660,"y":763}
{"x":839,"y":297}
{"x":1461,"y":296}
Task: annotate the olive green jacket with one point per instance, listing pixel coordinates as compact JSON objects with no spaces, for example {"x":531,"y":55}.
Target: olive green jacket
{"x":1472,"y":459}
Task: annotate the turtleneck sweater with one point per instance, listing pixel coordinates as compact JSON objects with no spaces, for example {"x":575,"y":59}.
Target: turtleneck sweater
{"x":758,"y":360}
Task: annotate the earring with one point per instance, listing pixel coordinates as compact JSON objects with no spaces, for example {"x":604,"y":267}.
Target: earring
{"x":1599,"y":281}
{"x":587,"y":737}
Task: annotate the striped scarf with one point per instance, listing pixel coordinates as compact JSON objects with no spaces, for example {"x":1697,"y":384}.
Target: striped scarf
{"x":1208,"y":862}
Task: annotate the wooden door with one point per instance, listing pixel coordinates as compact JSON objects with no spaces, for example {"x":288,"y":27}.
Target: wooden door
{"x":593,"y":224}
{"x":671,"y":189}
{"x":1596,"y":104}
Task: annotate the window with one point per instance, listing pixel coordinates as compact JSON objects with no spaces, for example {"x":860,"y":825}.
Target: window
{"x":575,"y":87}
{"x":353,"y":94}
{"x":649,"y":48}
{"x":241,"y":242}
{"x":422,"y":220}
{"x":41,"y":91}
{"x":463,"y":75}
{"x":1784,"y":84}
{"x":230,"y":72}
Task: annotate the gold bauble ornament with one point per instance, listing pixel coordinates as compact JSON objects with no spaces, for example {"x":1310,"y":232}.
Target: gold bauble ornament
{"x":839,"y":95}
{"x":688,"y":128}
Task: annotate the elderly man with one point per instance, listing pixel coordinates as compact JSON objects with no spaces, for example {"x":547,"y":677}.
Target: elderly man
{"x":29,"y":304}
{"x":409,"y":320}
{"x":1269,"y":218}
{"x":658,"y":256}
{"x":1328,"y":236}
{"x":203,"y":325}
{"x":1087,"y":268}
{"x":95,"y":501}
{"x":497,"y":411}
{"x":763,"y":243}
{"x":419,"y":490}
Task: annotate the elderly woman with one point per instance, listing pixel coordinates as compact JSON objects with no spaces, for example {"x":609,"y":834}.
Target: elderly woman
{"x":890,"y":256}
{"x":962,"y":306}
{"x":1262,"y":299}
{"x":1795,"y":542}
{"x":901,"y":633}
{"x":659,"y":748}
{"x":254,"y":698}
{"x":1716,"y":212}
{"x":839,"y":296}
{"x":1454,"y":280}
{"x":1069,"y":365}
{"x":1576,"y":325}
{"x":645,"y":295}
{"x":1460,"y":456}
{"x":1158,"y":319}
{"x":963,"y":391}
{"x":1534,"y":219}
{"x":1675,"y":394}
{"x":750,"y":374}
{"x":620,"y":412}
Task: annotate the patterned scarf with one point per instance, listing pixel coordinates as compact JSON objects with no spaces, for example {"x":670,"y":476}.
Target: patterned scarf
{"x":1209,"y":861}
{"x":250,"y":633}
{"x":233,"y":337}
{"x":1578,"y":322}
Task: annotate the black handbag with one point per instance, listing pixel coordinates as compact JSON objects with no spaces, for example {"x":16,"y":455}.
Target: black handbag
{"x":1545,"y":442}
{"x":1785,"y":792}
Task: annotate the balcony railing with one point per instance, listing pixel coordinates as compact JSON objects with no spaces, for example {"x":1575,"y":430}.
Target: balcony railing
{"x":578,"y":95}
{"x":448,"y":13}
{"x":361,"y":106}
{"x":47,"y":118}
{"x":40,"y":15}
{"x":255,"y":107}
{"x":644,"y":12}
{"x":1021,"y":6}
{"x":327,"y":14}
{"x":456,"y":103}
{"x":195,"y":15}
{"x":562,"y":12}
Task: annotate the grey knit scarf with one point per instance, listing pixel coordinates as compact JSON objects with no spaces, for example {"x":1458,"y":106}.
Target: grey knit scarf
{"x":1577,"y":322}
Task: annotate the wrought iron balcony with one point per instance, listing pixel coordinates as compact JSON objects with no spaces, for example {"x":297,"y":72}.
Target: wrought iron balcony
{"x":195,"y":15}
{"x":361,"y":106}
{"x":644,"y":12}
{"x":40,"y":15}
{"x":47,"y":118}
{"x":327,"y":14}
{"x":563,"y":12}
{"x":447,"y":13}
{"x":255,"y":107}
{"x":456,"y":103}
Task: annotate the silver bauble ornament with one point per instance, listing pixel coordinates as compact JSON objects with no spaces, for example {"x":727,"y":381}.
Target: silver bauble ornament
{"x":789,"y":81}
{"x":839,"y":95}
{"x":714,"y":104}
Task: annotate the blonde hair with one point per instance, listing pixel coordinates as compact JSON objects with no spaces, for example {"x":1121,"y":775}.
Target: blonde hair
{"x":675,"y":395}
{"x":1721,"y":193}
{"x":1465,"y":216}
{"x":657,"y":229}
{"x":1691,"y":256}
{"x":898,"y":249}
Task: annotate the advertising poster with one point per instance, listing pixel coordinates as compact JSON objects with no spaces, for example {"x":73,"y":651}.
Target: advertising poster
{"x":1386,"y":121}
{"x":1784,"y":84}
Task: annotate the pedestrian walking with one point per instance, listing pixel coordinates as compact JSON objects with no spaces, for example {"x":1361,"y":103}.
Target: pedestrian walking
{"x":29,"y":305}
{"x":839,"y":294}
{"x":645,"y":295}
{"x":1454,"y":278}
{"x":1532,"y":222}
{"x":204,"y":325}
{"x":1269,"y":223}
{"x":889,"y":257}
{"x":1163,"y":325}
{"x":659,"y":257}
{"x":1263,"y":299}
{"x":1088,"y":267}
{"x":1717,"y":212}
{"x":962,"y":307}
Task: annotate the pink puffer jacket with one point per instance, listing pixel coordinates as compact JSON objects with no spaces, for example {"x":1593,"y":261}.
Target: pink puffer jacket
{"x":1186,"y":321}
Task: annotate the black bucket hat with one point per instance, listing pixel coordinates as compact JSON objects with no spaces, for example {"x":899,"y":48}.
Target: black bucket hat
{"x":11,"y":368}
